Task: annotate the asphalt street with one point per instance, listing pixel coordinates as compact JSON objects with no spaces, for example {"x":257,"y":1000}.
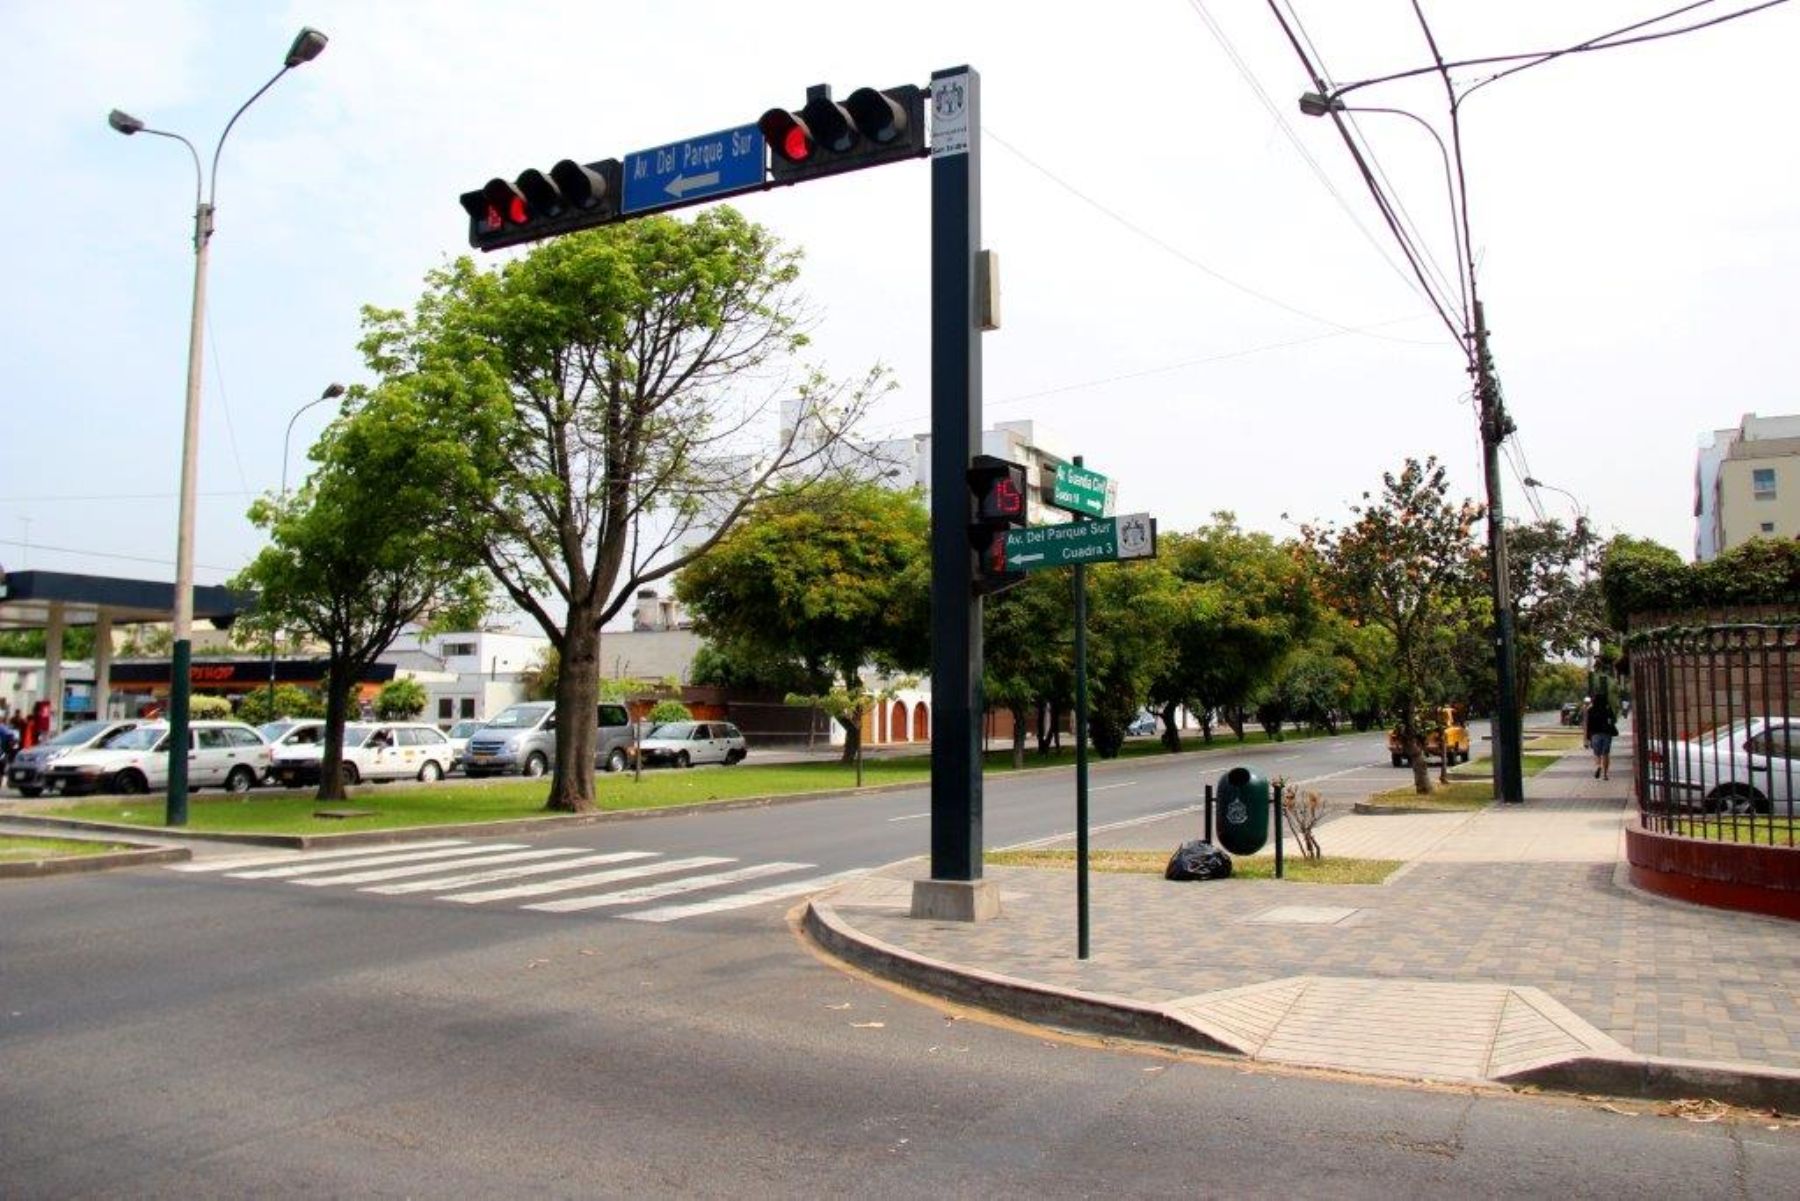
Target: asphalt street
{"x":247,"y":1028}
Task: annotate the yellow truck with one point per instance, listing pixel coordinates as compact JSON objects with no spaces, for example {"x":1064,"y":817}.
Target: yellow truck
{"x":1447,"y":729}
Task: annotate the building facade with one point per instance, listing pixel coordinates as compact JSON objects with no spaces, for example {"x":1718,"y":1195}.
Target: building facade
{"x":1747,"y":484}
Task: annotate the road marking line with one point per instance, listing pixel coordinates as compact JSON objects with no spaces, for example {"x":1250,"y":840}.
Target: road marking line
{"x":421,"y":869}
{"x":910,"y":817}
{"x":741,"y":900}
{"x":313,"y":869}
{"x":1110,"y":787}
{"x":592,"y":878}
{"x":654,"y":892}
{"x":506,"y":873}
{"x":267,"y":857}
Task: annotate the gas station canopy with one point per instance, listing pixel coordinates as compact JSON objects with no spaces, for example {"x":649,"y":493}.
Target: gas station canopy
{"x":27,"y":599}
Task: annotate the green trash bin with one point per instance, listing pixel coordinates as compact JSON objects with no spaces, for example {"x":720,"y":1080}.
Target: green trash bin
{"x":1242,"y":805}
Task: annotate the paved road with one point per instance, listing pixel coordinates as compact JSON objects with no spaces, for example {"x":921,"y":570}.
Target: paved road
{"x":218,"y":1032}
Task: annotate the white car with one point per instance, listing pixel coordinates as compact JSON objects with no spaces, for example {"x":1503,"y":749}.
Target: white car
{"x":30,"y":768}
{"x":390,"y":750}
{"x":1749,"y":766}
{"x":458,"y":735}
{"x":685,"y":743}
{"x":221,"y":754}
{"x":288,"y":732}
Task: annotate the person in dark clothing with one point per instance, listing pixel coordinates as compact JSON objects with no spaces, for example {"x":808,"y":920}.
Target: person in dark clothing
{"x":1601,"y":728}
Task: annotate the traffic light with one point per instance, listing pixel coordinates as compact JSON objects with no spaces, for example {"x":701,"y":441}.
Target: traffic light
{"x":870,"y":128}
{"x":997,"y":488}
{"x":572,"y":196}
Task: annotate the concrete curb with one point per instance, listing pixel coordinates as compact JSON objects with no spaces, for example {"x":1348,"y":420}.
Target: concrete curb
{"x":1647,"y":1077}
{"x":67,"y":865}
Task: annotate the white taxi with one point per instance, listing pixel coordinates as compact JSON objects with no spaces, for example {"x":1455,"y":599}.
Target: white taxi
{"x":221,"y":754}
{"x":389,"y":750}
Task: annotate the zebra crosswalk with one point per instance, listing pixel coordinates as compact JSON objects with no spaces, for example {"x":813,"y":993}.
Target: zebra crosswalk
{"x":627,"y":884}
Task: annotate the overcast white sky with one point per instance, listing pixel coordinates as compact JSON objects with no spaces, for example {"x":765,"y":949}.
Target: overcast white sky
{"x":1177,"y":279}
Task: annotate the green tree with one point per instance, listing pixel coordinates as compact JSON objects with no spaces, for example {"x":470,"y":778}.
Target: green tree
{"x":829,"y":579}
{"x":1131,"y":609}
{"x":669,"y":711}
{"x":1556,"y":594}
{"x":1247,"y":601}
{"x":1638,"y":575}
{"x":400,"y":700}
{"x":1407,"y":564}
{"x":77,"y":643}
{"x":349,"y":561}
{"x":1028,"y":651}
{"x":202,"y":707}
{"x":290,"y":701}
{"x":847,"y":706}
{"x":606,"y":394}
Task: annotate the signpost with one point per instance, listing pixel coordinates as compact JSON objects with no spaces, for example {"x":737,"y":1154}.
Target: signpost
{"x":1081,"y":491}
{"x":714,"y":164}
{"x":1100,"y":540}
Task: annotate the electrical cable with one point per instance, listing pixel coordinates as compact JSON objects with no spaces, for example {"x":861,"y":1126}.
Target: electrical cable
{"x":100,"y":554}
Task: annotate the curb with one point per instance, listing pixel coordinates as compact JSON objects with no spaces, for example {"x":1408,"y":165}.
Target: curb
{"x":1646,"y":1077}
{"x":32,"y":869}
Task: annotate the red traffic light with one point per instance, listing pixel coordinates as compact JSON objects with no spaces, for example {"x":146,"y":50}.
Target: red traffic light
{"x":571,"y":196}
{"x":786,"y":135}
{"x":824,"y":137}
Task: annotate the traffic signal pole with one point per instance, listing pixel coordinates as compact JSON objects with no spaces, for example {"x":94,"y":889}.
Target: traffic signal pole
{"x":956,"y":890}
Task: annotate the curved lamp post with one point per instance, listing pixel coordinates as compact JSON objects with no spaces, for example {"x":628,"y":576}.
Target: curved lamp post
{"x":306,"y":47}
{"x":332,"y":392}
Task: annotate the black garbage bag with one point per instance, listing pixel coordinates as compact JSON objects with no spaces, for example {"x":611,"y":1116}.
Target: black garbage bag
{"x":1198,"y":860}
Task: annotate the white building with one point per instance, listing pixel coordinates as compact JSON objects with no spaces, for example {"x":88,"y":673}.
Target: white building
{"x":1747,"y":484}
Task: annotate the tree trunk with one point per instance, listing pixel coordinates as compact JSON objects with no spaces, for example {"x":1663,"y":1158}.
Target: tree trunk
{"x":1018,"y":734}
{"x":852,"y":739}
{"x":1042,"y":711}
{"x":577,"y":701}
{"x":338,"y":682}
{"x":1421,"y":770}
{"x":1171,"y":736}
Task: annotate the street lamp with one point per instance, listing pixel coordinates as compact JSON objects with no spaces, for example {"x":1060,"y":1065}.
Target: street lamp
{"x":1495,"y":425}
{"x":332,"y":391}
{"x":306,"y":47}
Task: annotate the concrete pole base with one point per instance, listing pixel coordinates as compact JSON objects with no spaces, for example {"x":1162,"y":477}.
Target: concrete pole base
{"x":956,"y":900}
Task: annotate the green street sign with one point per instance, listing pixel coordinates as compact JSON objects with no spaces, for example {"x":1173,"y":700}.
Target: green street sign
{"x":1079,"y":490}
{"x":1099,"y":540}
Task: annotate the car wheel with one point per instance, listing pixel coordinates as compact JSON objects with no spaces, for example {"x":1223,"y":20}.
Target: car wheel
{"x":430,"y":772}
{"x":348,"y":773}
{"x":1737,"y":799}
{"x":735,"y":756}
{"x":130,"y":782}
{"x":536,"y":765}
{"x":31,"y":792}
{"x":682,"y":759}
{"x":615,"y":762}
{"x":240,"y":781}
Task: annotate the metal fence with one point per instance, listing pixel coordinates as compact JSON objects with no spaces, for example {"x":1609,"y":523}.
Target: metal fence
{"x":1716,"y":726}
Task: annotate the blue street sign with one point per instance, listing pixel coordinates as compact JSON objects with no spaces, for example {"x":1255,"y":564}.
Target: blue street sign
{"x":713,"y":164}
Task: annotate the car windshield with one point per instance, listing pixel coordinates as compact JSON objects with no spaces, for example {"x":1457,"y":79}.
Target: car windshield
{"x":463,"y":729}
{"x":141,"y":739}
{"x":357,"y":735}
{"x":673,"y":729}
{"x":519,"y":717}
{"x":272,"y":731}
{"x":77,"y":734}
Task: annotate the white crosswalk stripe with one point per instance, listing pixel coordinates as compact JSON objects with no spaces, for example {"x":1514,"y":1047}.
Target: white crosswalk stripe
{"x":507,"y":873}
{"x":740,"y":900}
{"x":268,"y":858}
{"x":493,"y":873}
{"x":653,"y":892}
{"x":587,"y":881}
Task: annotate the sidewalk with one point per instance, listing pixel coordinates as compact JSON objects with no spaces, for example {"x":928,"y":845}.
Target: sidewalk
{"x":1508,"y":950}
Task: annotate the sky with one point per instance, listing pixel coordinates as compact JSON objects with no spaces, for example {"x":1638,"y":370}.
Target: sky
{"x":1198,"y":293}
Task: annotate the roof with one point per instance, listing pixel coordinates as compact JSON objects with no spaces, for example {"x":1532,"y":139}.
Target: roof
{"x":26,"y":597}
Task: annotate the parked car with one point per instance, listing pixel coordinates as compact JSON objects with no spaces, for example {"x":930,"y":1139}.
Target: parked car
{"x":395,"y":750}
{"x":685,"y":743}
{"x":522,"y":740}
{"x":1446,"y":736}
{"x":1143,"y":723}
{"x":1572,"y":712}
{"x":30,"y":767}
{"x":287,"y":732}
{"x":458,"y":735}
{"x":221,"y":754}
{"x":1749,"y":766}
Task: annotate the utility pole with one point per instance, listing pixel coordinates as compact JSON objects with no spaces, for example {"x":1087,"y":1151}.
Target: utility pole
{"x":1509,"y":782}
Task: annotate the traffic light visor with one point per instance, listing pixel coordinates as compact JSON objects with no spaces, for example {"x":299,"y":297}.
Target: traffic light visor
{"x":829,"y":123}
{"x":877,"y":115}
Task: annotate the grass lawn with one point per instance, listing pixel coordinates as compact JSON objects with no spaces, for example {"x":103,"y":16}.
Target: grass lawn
{"x":1530,"y":764}
{"x":1760,"y":831}
{"x":1326,"y":871}
{"x":1553,"y":743}
{"x":18,"y":849}
{"x":410,"y":805}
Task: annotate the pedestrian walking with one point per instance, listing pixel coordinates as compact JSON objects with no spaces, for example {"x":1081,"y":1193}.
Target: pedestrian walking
{"x":1601,"y":728}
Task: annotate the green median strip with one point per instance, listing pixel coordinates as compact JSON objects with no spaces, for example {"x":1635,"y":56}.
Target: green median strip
{"x":1301,"y":871}
{"x":25,"y":849}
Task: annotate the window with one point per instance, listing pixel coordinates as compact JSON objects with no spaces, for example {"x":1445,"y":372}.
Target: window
{"x":1777,"y":741}
{"x":446,"y":708}
{"x":468,"y":706}
{"x":1762,"y":483}
{"x":237,"y":737}
{"x":1767,"y":527}
{"x":453,"y":649}
{"x":212,"y":738}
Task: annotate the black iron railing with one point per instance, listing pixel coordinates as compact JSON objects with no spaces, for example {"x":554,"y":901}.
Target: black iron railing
{"x":1716,"y":730}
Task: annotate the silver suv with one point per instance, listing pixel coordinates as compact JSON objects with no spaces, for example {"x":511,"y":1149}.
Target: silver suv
{"x":522,"y":740}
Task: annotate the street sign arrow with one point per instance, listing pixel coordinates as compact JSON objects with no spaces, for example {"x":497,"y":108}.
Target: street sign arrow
{"x":713,"y":164}
{"x":1098,"y":540}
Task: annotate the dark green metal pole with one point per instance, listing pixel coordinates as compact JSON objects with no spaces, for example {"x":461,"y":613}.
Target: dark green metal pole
{"x":1081,"y":760}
